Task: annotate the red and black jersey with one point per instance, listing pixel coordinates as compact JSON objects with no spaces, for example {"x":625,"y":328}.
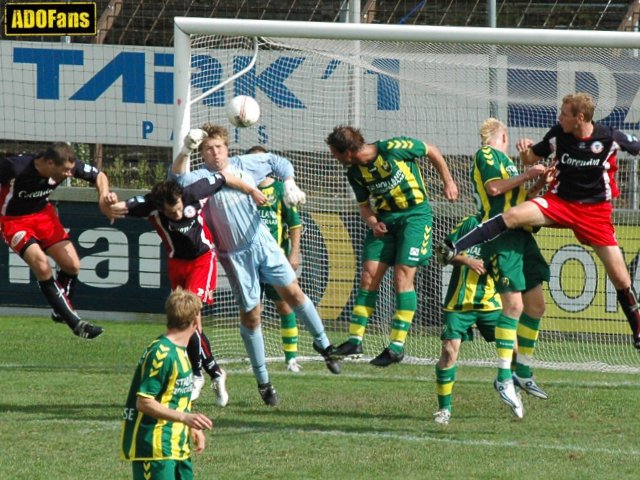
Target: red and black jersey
{"x":189,"y":237}
{"x":23,"y":190}
{"x":586,"y":166}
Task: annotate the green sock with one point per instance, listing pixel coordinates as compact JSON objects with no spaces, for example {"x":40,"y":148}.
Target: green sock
{"x":362,"y":311}
{"x":528,"y":331}
{"x":445,"y":378}
{"x":505,"y":341}
{"x":406,"y":304}
{"x":289,"y":333}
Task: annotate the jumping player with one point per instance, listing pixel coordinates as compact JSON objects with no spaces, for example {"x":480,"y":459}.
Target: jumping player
{"x":31,"y":227}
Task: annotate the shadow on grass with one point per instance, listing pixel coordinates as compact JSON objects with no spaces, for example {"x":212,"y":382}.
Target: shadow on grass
{"x":68,"y":412}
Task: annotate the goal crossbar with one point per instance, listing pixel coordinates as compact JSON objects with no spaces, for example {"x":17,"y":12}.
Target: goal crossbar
{"x":417,"y":33}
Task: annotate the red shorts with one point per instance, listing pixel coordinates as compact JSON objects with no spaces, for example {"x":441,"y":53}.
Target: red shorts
{"x":43,"y":228}
{"x":198,"y":275}
{"x":591,"y":222}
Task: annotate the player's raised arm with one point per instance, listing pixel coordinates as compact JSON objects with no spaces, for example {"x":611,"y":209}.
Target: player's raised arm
{"x":191,"y":142}
{"x":527,"y":156}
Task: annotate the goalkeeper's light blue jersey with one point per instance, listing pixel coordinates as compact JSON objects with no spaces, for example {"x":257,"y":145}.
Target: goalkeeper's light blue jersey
{"x":234,"y":215}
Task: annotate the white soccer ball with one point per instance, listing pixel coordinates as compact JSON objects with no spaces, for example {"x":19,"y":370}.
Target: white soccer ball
{"x":243,"y":111}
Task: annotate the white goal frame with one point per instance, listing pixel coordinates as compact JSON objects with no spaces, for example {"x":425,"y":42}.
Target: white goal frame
{"x":184,"y":27}
{"x":441,"y":44}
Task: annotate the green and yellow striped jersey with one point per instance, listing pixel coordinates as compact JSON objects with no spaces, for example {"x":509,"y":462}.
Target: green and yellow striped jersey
{"x":164,"y":373}
{"x":467,"y":290}
{"x":491,"y":164}
{"x":277,"y":216}
{"x":393,"y":180}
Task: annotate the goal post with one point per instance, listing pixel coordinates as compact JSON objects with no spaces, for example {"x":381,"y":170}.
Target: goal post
{"x":436,"y":84}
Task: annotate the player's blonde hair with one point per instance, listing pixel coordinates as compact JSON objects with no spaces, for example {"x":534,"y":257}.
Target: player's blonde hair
{"x":216,"y":131}
{"x":490,"y":128}
{"x":580,"y":103}
{"x":182,"y":307}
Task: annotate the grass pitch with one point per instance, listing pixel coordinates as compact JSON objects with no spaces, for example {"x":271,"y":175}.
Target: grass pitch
{"x":62,"y":399}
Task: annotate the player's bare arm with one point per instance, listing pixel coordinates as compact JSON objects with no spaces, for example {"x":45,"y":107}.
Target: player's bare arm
{"x":498,"y":187}
{"x":153,"y":408}
{"x":450,"y":189}
{"x":371,"y":220}
{"x":295,"y":235}
{"x":474,"y":264}
{"x":105,"y":197}
{"x":523,"y":146}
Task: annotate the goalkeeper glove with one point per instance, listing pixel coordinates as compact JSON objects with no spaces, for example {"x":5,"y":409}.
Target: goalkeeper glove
{"x":293,"y":196}
{"x":193,"y":140}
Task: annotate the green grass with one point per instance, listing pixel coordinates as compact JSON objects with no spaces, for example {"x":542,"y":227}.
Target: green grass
{"x":62,"y":397}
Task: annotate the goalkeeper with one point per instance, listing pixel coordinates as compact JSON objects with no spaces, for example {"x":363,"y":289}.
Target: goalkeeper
{"x":399,"y":234}
{"x":246,"y":249}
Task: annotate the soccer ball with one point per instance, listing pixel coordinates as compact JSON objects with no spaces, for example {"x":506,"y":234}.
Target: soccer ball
{"x":243,"y":111}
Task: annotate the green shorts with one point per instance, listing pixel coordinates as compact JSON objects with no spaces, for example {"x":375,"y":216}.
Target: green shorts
{"x":457,"y":325}
{"x":407,"y":242}
{"x":515,"y":262}
{"x":162,"y":470}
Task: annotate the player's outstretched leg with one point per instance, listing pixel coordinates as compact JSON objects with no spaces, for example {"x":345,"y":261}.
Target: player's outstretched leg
{"x":67,"y":283}
{"x":628,"y":300}
{"x":62,"y":306}
{"x":309,"y":315}
{"x":365,"y":304}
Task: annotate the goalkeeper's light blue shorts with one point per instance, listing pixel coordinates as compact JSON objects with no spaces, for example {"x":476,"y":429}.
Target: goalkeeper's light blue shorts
{"x":263,"y":261}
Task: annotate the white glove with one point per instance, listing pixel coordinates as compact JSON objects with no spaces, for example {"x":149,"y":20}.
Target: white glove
{"x":293,"y":196}
{"x":193,"y":140}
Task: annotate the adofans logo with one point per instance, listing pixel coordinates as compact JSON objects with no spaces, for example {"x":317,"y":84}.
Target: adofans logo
{"x":50,"y":18}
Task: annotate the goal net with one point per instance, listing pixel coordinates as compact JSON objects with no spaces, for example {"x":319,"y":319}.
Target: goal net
{"x":436,"y":84}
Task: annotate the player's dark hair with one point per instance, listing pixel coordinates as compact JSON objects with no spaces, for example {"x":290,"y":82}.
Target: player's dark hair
{"x":256,"y":149}
{"x":344,"y":138}
{"x":167,"y":192}
{"x":59,"y":152}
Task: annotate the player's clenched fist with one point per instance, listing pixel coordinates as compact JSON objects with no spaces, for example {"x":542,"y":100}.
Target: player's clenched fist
{"x":193,"y":140}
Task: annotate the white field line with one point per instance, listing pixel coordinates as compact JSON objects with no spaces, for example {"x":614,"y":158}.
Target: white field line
{"x":430,"y":439}
{"x":243,"y":368}
{"x":96,"y":426}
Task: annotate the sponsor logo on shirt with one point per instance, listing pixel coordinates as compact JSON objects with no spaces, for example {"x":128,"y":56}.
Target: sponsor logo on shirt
{"x":566,"y":159}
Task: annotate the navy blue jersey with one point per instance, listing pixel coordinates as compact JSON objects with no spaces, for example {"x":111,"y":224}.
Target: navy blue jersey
{"x":23,"y":190}
{"x":586,"y":166}
{"x":188,"y":237}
